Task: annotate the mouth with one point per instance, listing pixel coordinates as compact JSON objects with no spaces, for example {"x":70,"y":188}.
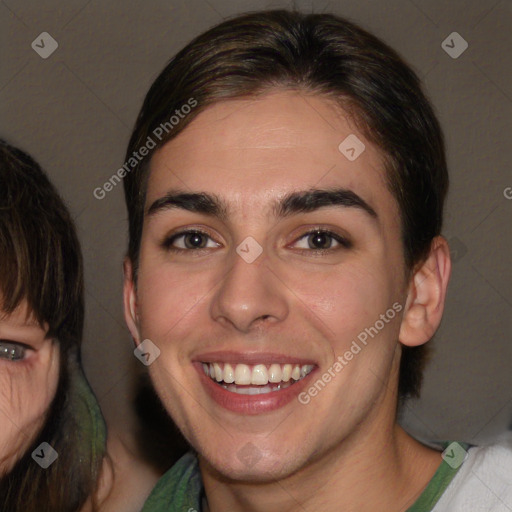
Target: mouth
{"x":258,"y":379}
{"x":261,"y":383}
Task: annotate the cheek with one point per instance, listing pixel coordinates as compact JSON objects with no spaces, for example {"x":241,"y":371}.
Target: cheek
{"x":346,"y":300}
{"x":357,"y":307}
{"x":25,"y":395}
{"x":26,"y":392}
{"x":168,"y":299}
{"x":168,"y":307}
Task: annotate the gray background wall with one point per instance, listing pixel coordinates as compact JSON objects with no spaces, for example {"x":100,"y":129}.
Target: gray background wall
{"x":74,"y":110}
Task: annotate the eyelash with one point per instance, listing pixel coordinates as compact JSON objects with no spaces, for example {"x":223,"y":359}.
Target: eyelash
{"x":344,"y":243}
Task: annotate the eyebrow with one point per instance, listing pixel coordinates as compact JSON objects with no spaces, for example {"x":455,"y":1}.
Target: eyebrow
{"x":201,"y":202}
{"x":311,"y":200}
{"x":292,"y":204}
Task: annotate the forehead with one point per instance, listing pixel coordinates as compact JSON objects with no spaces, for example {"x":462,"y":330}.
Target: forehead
{"x":247,"y":150}
{"x":22,"y":317}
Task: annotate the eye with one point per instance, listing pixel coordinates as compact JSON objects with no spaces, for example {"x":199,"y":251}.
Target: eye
{"x":322,"y":240}
{"x":189,"y":240}
{"x":12,"y":351}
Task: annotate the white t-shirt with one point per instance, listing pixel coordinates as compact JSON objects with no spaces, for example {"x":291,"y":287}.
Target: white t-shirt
{"x":483,"y":482}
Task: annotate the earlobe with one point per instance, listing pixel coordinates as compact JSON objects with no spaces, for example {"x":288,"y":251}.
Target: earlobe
{"x":426,"y":296}
{"x":130,"y":301}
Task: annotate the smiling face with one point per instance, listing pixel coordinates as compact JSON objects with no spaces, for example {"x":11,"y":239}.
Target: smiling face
{"x":264,"y":282}
{"x":29,"y":374}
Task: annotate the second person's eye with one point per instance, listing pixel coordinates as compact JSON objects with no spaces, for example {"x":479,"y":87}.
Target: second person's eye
{"x":12,"y":351}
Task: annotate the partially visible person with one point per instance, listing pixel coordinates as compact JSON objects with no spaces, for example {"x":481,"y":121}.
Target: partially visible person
{"x":44,"y":395}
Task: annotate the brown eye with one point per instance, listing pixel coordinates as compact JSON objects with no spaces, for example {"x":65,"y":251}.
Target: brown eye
{"x":189,"y":240}
{"x":322,"y":240}
{"x":194,"y":240}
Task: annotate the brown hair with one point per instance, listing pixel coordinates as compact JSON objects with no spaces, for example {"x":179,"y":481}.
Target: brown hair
{"x":316,"y":53}
{"x":41,"y":262}
{"x":40,"y":258}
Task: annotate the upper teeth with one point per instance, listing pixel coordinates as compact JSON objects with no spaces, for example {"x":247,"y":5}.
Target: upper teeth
{"x":259,"y":374}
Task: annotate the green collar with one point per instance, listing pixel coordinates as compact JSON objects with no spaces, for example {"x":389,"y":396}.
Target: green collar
{"x":437,"y":485}
{"x":181,"y":488}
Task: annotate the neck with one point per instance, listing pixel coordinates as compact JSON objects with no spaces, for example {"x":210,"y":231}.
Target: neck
{"x":379,"y":467}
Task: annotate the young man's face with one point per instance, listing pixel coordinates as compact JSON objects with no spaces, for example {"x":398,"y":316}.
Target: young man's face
{"x":29,"y":374}
{"x":304,"y":301}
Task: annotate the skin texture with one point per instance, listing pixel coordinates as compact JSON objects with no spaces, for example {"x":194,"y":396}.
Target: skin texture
{"x":343,"y":450}
{"x":27,"y":386}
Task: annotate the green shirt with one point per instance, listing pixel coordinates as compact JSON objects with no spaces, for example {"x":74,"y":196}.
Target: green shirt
{"x":181,"y":488}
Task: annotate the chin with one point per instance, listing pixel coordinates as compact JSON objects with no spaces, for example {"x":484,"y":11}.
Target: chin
{"x":249,"y":464}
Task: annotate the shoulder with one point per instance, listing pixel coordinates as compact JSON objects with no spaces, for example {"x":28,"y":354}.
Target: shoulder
{"x":494,"y":461}
{"x":179,"y":488}
{"x":483,"y":481}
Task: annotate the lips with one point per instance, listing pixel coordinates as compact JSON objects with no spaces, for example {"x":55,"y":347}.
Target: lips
{"x":252,"y":384}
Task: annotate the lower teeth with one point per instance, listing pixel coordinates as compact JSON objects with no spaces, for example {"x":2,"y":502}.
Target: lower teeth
{"x":251,"y":390}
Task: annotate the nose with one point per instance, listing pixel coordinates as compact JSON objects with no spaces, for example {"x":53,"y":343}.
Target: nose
{"x":249,"y":294}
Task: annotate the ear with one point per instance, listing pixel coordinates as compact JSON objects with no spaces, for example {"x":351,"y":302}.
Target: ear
{"x":130,"y":301}
{"x":426,"y":296}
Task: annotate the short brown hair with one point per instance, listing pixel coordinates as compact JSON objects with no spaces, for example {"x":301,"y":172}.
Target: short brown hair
{"x":330,"y":56}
